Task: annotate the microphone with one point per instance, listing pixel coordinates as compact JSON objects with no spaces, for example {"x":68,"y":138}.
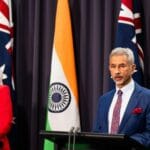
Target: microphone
{"x":77,"y":130}
{"x":69,"y":136}
{"x":74,"y":137}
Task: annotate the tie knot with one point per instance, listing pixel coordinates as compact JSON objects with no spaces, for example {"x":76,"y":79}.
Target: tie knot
{"x":119,"y":92}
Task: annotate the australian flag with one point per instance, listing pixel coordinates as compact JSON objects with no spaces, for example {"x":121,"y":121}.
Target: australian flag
{"x":129,"y":34}
{"x":6,"y":41}
{"x":6,"y":57}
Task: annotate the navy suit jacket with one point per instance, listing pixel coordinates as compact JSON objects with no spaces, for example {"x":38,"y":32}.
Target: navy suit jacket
{"x":136,"y":120}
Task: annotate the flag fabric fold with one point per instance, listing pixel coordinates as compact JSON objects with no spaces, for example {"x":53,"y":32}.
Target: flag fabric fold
{"x":129,"y":34}
{"x":63,"y":110}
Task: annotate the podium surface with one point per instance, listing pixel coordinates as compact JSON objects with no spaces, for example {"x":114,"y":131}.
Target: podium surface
{"x":92,"y":141}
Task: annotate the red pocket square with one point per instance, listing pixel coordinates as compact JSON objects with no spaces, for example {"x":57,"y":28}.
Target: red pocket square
{"x":137,"y":110}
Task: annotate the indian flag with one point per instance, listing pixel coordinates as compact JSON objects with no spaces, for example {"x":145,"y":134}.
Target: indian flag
{"x":63,"y":112}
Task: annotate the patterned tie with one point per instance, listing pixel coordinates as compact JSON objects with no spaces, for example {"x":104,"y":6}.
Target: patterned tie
{"x":116,"y":114}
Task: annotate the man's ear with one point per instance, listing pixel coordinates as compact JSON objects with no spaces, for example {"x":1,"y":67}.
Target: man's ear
{"x":134,"y":68}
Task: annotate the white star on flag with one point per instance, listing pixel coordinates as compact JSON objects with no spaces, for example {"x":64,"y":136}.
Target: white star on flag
{"x":2,"y":74}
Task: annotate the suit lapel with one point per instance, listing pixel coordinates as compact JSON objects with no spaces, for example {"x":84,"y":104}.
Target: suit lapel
{"x":131,"y":105}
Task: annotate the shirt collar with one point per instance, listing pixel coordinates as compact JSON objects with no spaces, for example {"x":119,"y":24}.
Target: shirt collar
{"x":128,"y":87}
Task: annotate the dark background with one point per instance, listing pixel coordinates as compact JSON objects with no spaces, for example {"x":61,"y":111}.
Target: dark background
{"x":94,"y":24}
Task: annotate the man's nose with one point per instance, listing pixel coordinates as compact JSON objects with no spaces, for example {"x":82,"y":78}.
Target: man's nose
{"x":117,"y":70}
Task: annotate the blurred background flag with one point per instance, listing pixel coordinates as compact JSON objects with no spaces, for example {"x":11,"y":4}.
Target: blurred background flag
{"x":63,"y":111}
{"x":6,"y":43}
{"x":129,"y":33}
{"x":6,"y":54}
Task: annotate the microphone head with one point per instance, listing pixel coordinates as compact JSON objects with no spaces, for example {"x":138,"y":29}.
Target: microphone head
{"x":77,"y":129}
{"x":72,"y":129}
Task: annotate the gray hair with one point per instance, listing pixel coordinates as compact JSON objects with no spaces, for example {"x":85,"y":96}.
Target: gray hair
{"x":123,"y":51}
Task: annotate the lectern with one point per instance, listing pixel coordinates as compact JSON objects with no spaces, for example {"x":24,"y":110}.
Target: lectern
{"x":90,"y":141}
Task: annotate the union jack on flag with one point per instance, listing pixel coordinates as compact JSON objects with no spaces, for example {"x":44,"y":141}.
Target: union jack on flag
{"x":129,"y":33}
{"x":6,"y":43}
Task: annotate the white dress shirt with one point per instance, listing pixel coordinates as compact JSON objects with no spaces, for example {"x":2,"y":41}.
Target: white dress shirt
{"x":127,"y":92}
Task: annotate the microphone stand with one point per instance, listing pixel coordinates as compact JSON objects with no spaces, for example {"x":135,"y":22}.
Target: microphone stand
{"x":69,"y":137}
{"x":74,"y":137}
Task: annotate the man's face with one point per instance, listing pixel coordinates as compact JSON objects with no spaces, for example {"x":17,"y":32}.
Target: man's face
{"x":121,"y":70}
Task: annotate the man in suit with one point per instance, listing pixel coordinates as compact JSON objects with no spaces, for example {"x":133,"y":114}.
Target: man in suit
{"x":129,"y":111}
{"x":6,"y":115}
